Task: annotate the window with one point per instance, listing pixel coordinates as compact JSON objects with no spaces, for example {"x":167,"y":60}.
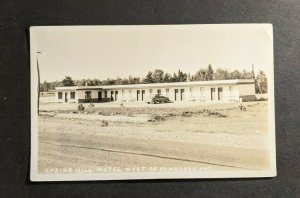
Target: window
{"x":72,"y":95}
{"x":105,"y":94}
{"x":167,"y":90}
{"x":150,"y":90}
{"x":158,"y":91}
{"x":59,"y":95}
{"x":88,"y":94}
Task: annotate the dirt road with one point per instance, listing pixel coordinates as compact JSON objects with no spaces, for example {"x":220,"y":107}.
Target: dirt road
{"x":217,"y":143}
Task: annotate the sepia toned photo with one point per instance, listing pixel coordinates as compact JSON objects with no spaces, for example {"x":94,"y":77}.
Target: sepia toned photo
{"x":152,"y":102}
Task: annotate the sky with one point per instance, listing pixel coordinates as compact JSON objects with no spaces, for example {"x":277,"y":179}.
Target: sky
{"x":119,"y":51}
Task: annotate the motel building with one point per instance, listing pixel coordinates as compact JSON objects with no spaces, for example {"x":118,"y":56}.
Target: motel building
{"x":210,"y":91}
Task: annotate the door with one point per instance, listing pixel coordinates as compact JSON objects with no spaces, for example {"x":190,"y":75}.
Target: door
{"x":220,"y":93}
{"x":137,"y":95}
{"x":143,"y":93}
{"x":99,"y":96}
{"x":181,"y":94}
{"x":111,"y":95}
{"x":66,"y":96}
{"x":116,"y":95}
{"x":213,"y":93}
{"x":176,"y":94}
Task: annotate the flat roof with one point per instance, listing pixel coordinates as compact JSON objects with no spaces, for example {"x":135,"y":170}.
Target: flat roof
{"x":158,"y":85}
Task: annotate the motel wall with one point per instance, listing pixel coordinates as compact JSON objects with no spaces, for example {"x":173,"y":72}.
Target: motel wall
{"x":229,"y":90}
{"x":195,"y":93}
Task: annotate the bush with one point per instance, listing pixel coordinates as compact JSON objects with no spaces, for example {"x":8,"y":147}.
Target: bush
{"x":80,"y":107}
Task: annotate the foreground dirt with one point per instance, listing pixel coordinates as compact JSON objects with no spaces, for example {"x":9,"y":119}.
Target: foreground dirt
{"x":218,"y":137}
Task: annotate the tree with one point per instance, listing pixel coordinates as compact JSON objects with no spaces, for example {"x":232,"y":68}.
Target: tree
{"x":209,"y":73}
{"x":148,"y":78}
{"x":236,"y":74}
{"x":182,"y":77}
{"x":125,"y":81}
{"x":192,"y":78}
{"x":119,"y":81}
{"x":136,"y":80}
{"x":221,"y":74}
{"x":109,"y":81}
{"x":200,"y":75}
{"x":175,"y":78}
{"x":80,"y":82}
{"x":44,"y":87}
{"x":247,"y":75}
{"x":133,"y":80}
{"x":67,"y":82}
{"x":158,"y":76}
{"x":261,"y":83}
{"x":167,"y":77}
{"x":55,"y":84}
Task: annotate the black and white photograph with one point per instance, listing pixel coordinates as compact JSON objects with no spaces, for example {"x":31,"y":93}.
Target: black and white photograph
{"x":152,"y":102}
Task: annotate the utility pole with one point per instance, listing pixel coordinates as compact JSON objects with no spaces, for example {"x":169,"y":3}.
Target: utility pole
{"x":38,"y":71}
{"x":253,"y":76}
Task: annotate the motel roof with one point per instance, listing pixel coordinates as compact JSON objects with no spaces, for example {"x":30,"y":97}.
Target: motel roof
{"x":156,"y":85}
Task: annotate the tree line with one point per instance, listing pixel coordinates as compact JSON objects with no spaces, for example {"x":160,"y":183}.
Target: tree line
{"x":159,"y":76}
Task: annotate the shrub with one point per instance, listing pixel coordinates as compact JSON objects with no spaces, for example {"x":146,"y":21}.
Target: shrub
{"x":80,"y":107}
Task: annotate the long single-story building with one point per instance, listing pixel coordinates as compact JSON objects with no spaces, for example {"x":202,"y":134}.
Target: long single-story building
{"x":216,"y":90}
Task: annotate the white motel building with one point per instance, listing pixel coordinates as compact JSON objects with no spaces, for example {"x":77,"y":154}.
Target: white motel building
{"x":216,"y":90}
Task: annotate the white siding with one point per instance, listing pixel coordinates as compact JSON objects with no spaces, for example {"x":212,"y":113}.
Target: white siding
{"x":231,"y":91}
{"x":246,"y":89}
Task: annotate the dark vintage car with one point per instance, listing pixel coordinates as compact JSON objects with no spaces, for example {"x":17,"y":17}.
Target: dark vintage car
{"x":158,"y":98}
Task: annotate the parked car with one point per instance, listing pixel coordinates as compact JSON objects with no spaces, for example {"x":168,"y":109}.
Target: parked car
{"x":158,"y":98}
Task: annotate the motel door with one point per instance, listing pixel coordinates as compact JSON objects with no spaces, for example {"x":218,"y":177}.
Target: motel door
{"x":116,"y":95}
{"x":181,"y":94}
{"x":137,"y":95}
{"x":176,"y":95}
{"x":220,"y":93}
{"x":111,"y":95}
{"x":143,"y":93}
{"x":99,"y":96}
{"x":213,"y":94}
{"x":66,"y":96}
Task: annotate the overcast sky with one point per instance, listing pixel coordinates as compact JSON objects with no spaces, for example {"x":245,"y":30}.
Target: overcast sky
{"x":119,"y":51}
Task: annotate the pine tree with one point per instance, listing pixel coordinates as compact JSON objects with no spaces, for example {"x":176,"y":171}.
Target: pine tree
{"x":148,"y":78}
{"x":209,"y":73}
{"x":167,"y":78}
{"x":67,"y":82}
{"x":175,"y":78}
